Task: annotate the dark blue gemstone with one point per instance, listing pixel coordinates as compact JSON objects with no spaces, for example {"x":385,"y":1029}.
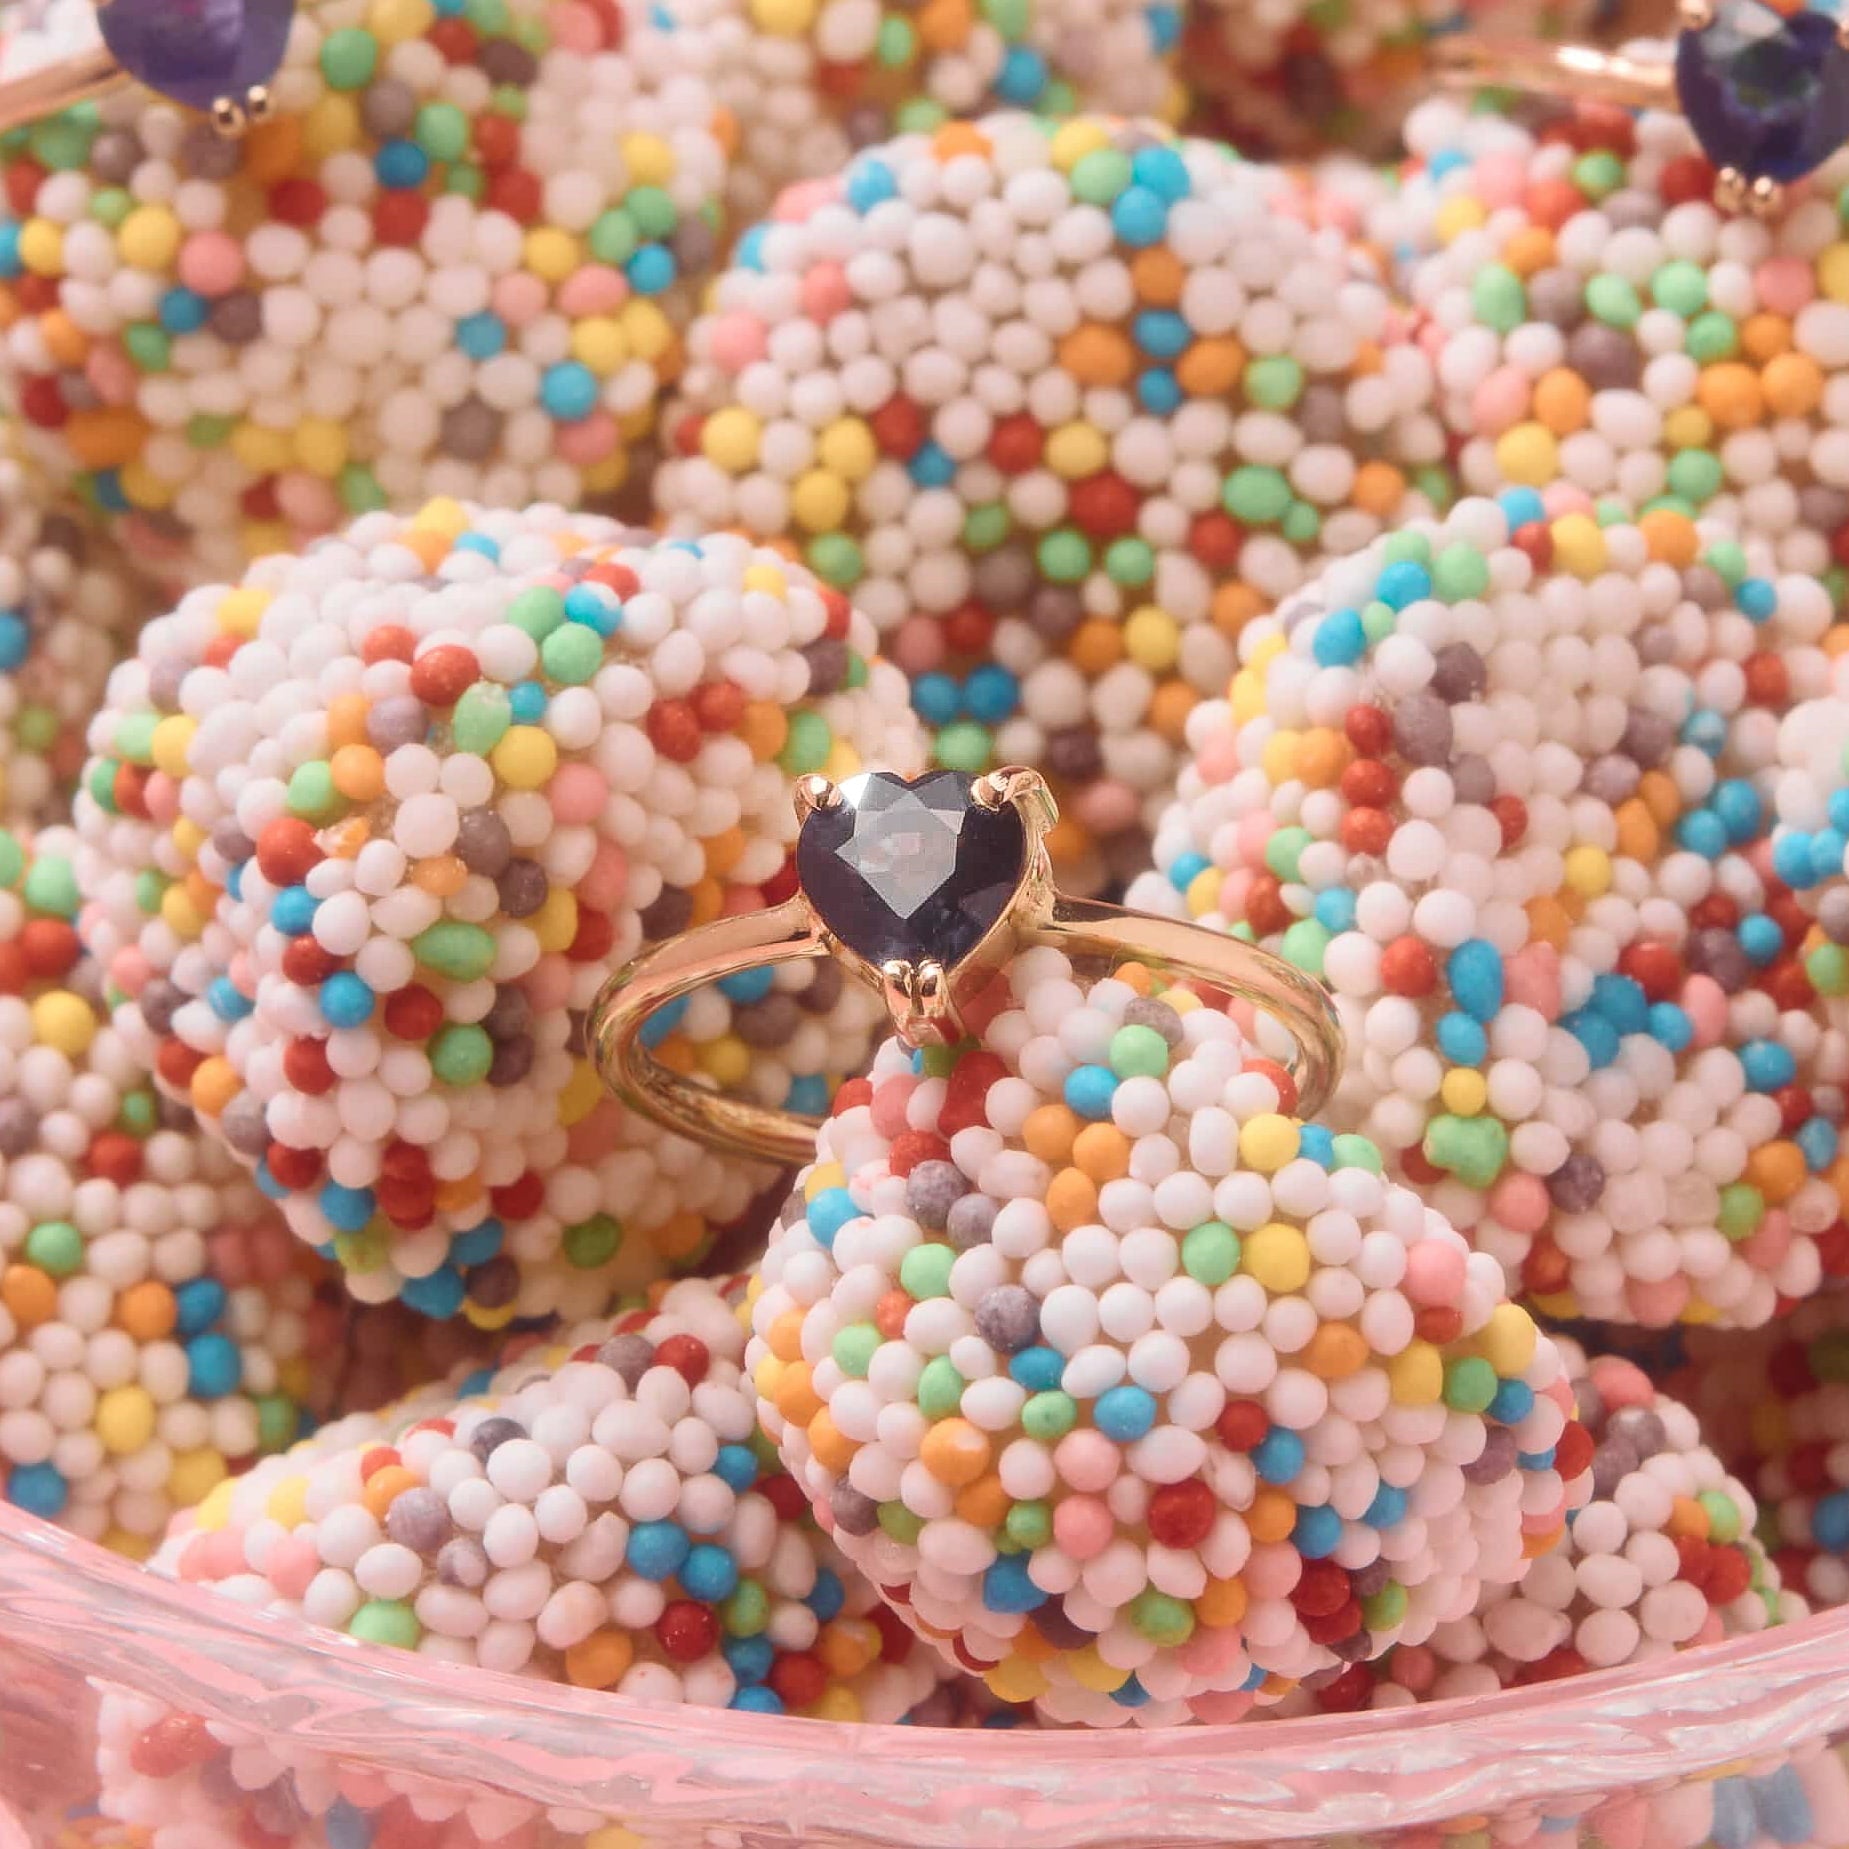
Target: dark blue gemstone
{"x":198,"y":51}
{"x":1766,"y":95}
{"x":910,"y":868}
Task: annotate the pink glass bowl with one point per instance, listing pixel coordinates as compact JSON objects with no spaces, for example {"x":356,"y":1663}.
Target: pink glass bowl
{"x":272,"y":1736}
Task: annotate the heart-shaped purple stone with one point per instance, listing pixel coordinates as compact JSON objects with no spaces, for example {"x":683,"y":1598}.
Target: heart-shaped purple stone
{"x":198,"y":51}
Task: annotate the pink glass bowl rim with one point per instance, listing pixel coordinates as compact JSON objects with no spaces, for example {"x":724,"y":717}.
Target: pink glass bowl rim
{"x":1556,"y":1747}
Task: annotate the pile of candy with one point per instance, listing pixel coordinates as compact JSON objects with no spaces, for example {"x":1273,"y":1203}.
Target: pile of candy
{"x":368,"y":831}
{"x":1140,"y":1397}
{"x":455,"y":259}
{"x":1506,"y":785}
{"x":1062,"y":409}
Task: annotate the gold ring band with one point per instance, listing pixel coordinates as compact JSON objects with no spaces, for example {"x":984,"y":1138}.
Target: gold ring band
{"x":1578,"y":73}
{"x":924,"y":998}
{"x":85,"y":78}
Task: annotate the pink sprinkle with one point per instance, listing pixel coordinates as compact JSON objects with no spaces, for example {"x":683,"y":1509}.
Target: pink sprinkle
{"x":1250,"y":839}
{"x":597,"y":289}
{"x":548,"y":983}
{"x":1785,"y":284}
{"x":574,"y":28}
{"x":210,"y":263}
{"x":590,"y":1138}
{"x":519,"y":297}
{"x":1656,"y":1305}
{"x":1210,"y":1651}
{"x":825,"y":293}
{"x":1500,"y":401}
{"x":1499,"y":179}
{"x":736,"y":341}
{"x":795,"y":203}
{"x":293,"y":1564}
{"x":577,"y":792}
{"x":1220,"y":1709}
{"x":1082,"y":1526}
{"x":1107,"y":807}
{"x":308,"y":503}
{"x":1705,"y":1003}
{"x":1219,"y":760}
{"x":589,"y":441}
{"x":607,"y":877}
{"x":917,"y":645}
{"x":740,"y":901}
{"x":1563,"y":498}
{"x":1087,"y":1460}
{"x":1413,"y":1667}
{"x":1434,"y":1273}
{"x":128,"y":969}
{"x":162,"y":795}
{"x":890,"y":1100}
{"x":1770,"y":1241}
{"x":1273,"y":1570}
{"x":1620,"y":1382}
{"x":195,"y":1559}
{"x":1520,"y":1202}
{"x":111,"y":374}
{"x":1531,"y":978}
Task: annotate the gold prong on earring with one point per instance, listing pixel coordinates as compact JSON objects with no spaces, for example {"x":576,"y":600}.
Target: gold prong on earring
{"x":918,"y":999}
{"x":1695,"y":15}
{"x":228,"y":118}
{"x":1011,"y":783}
{"x":814,"y":793}
{"x":258,"y":103}
{"x":1765,"y":198}
{"x":1730,"y":190}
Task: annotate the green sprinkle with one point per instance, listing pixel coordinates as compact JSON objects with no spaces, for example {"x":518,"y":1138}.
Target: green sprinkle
{"x":1681,"y":287}
{"x":853,"y":1349}
{"x":1742,"y":1208}
{"x":1274,"y":383}
{"x":366,"y":1250}
{"x":653,"y":211}
{"x":1384,"y":1609}
{"x":1029,"y":1524}
{"x":1064,"y":556}
{"x":359,"y":489}
{"x":1407,"y":548}
{"x":1100,"y":176}
{"x":311,"y":792}
{"x":940,"y":1388}
{"x":1130,"y":561}
{"x":538,"y":611}
{"x":572,"y":654}
{"x":895,"y":44}
{"x":593,"y":1242}
{"x":1301,"y":523}
{"x":836,"y":560}
{"x":1259,"y":496}
{"x":461,"y":1054}
{"x":51,"y":887}
{"x":279,"y":1423}
{"x":1305,"y":943}
{"x":925,"y":1271}
{"x":1613,"y":300}
{"x":1285,"y":849}
{"x":1162,"y":1619}
{"x":1460,"y":572}
{"x":1712,"y":337}
{"x":1470,"y":1384}
{"x":747,"y":1611}
{"x":965,"y":745}
{"x":481,"y":716}
{"x":138,"y":1113}
{"x":148,"y":346}
{"x":56,"y":1247}
{"x":1049,"y":1415}
{"x":1497,"y":298}
{"x":385,"y":1621}
{"x":899,"y":1522}
{"x":442,"y":131}
{"x":1351,"y":1151}
{"x":1139,"y":1052}
{"x":1727,"y":558}
{"x":613,"y":237}
{"x":807,"y":746}
{"x":1723,"y":1515}
{"x":1210,"y":1253}
{"x":12,"y":859}
{"x":986,"y":526}
{"x":1473,"y":1149}
{"x":463,"y":952}
{"x":348,"y":58}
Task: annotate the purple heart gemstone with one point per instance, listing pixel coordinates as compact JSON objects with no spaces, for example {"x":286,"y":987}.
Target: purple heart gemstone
{"x":198,"y":51}
{"x":1765,"y":94}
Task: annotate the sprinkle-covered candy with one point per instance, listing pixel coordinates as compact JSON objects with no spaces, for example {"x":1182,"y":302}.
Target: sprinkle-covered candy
{"x":1135,"y":1394}
{"x":368,"y":831}
{"x":1062,"y":408}
{"x":1505,"y":784}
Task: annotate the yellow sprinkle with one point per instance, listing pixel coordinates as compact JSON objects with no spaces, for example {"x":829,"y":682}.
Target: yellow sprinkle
{"x":581,"y":1094}
{"x":149,"y":237}
{"x":729,"y":439}
{"x":443,"y":516}
{"x":1464,"y":1091}
{"x":649,"y":159}
{"x":1267,"y":1142}
{"x":1072,"y":141}
{"x":1416,"y":1375}
{"x":1089,"y":1670}
{"x":64,"y":1021}
{"x":392,"y":22}
{"x":1015,"y":1679}
{"x":262,"y":451}
{"x":1076,"y":450}
{"x":195,"y":1474}
{"x":1579,"y":545}
{"x":551,"y":254}
{"x":1507,"y":1340}
{"x":241,"y":610}
{"x":173,"y":737}
{"x":215,"y":1510}
{"x":599,"y":344}
{"x":525,"y":758}
{"x":819,"y":501}
{"x":1458,"y":215}
{"x":767,"y":578}
{"x":822,"y":1177}
{"x":847,"y":448}
{"x":1588,"y":871}
{"x":555,"y":924}
{"x":1833,"y":272}
{"x":288,"y":1502}
{"x":1278,"y":1256}
{"x":1152,"y":638}
{"x":726,"y":1061}
{"x":784,"y":19}
{"x":1528,"y":455}
{"x":41,"y":247}
{"x":321,"y":446}
{"x":125,"y":1419}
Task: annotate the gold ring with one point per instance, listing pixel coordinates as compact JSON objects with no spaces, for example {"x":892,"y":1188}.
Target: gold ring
{"x":923,"y":888}
{"x":166,"y":49}
{"x":1765,"y":92}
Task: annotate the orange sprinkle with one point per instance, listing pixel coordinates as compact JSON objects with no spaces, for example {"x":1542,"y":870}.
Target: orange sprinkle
{"x":679,"y":1236}
{"x":1378,"y":488}
{"x":1687,"y":1519}
{"x":29,"y":1294}
{"x":1793,"y":385}
{"x":1068,"y":841}
{"x":1272,"y":1516}
{"x":346,"y":719}
{"x":833,"y":1449}
{"x":984,"y":1502}
{"x":1071,"y":1199}
{"x":1730,"y":394}
{"x":1562,"y":401}
{"x":1335,"y":1351}
{"x":1223,"y":1603}
{"x":890,"y":1312}
{"x":1097,"y":355}
{"x":708,"y":898}
{"x":954,"y":1451}
{"x":450,"y":1195}
{"x":785,"y":1336}
{"x":1095,"y":646}
{"x":64,"y":340}
{"x":724,"y":849}
{"x":956,"y":138}
{"x":1236,"y":603}
{"x":106,"y":439}
{"x":1765,"y":336}
{"x":441,"y":875}
{"x":384,"y":1487}
{"x":1211,"y":367}
{"x":1671,"y":537}
{"x":600,"y":1660}
{"x":795,"y":1394}
{"x":1322,"y":756}
{"x":1049,"y":1132}
{"x":358,"y":773}
{"x":147,"y":1310}
{"x":1778,"y":1170}
{"x":1134,"y":976}
{"x":1157,"y":275}
{"x":1169,"y":707}
{"x":943,"y":25}
{"x":1102,"y":1152}
{"x":215,"y":1084}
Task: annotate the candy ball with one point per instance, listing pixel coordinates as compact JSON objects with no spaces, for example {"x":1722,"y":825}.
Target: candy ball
{"x":1133,"y":1393}
{"x":1061,"y":408}
{"x":1663,"y":1558}
{"x":1593,"y":316}
{"x":156,"y":1318}
{"x":601,"y":1514}
{"x":368,"y":831}
{"x":68,"y":606}
{"x":1504,"y":784}
{"x":1776,"y":1405}
{"x":455,"y":260}
{"x":809,"y":85}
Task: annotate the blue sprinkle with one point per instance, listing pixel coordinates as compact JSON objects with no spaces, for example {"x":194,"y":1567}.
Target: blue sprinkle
{"x":439,"y":1296}
{"x":936,"y":698}
{"x":807,"y":1095}
{"x":748,"y":253}
{"x":1388,"y":1509}
{"x":1734,"y":1825}
{"x":1316,"y":1143}
{"x":1038,"y":1369}
{"x":828,"y":1597}
{"x":1318,"y":1532}
{"x":1139,"y":216}
{"x":1756,"y":598}
{"x":1622,"y":1002}
{"x":111,"y":496}
{"x":1706,"y":731}
{"x":651,"y":270}
{"x":480,"y":544}
{"x":1124,"y":1414}
{"x":757,"y":1701}
{"x":662,"y":1023}
{"x":736,"y":1467}
{"x":225,"y":1000}
{"x":656,"y":1549}
{"x":1131,"y":1694}
{"x":932,"y":466}
{"x":1595,"y":1034}
{"x":213,"y":1366}
{"x":1784,"y":1807}
{"x":1462,"y":1041}
{"x":401,"y":164}
{"x":1089,"y":1090}
{"x":1164,"y":24}
{"x":1022,"y":76}
{"x":1670,"y":1026}
{"x":184,"y":311}
{"x":481,"y":336}
{"x":39,"y":1489}
{"x":568,"y":391}
{"x":991,"y":694}
{"x":1278,"y":1456}
{"x":828,"y":1213}
{"x":234,"y":880}
{"x":1760,"y":937}
{"x":10,"y":265}
{"x":346,"y":1827}
{"x":1340,"y":639}
{"x":15,"y":642}
{"x":1007,"y":1588}
{"x":1403,"y":582}
{"x":1702,"y":832}
{"x":1162,"y":171}
{"x":1187,"y":869}
{"x":346,"y":1000}
{"x":748,"y":985}
{"x":1791,"y":858}
{"x":1767,"y":1065}
{"x":709,"y":1573}
{"x":1335,"y":909}
{"x":750,"y":1658}
{"x":347,"y":1209}
{"x":596,"y":606}
{"x":1838,"y":810}
{"x":478,"y":1382}
{"x":272,"y":1190}
{"x":1535,"y":1460}
{"x":1520,"y":506}
{"x":1513,"y":1402}
{"x":198,"y":1304}
{"x":869,"y":182}
{"x":1737,"y":804}
{"x":478,"y":1243}
{"x":1474,"y":971}
{"x":1159,"y":391}
{"x":292,"y":911}
{"x":1819,"y":1139}
{"x":1829,"y":1522}
{"x":1827,"y":848}
{"x":1162,"y":332}
{"x":1256,"y":1680}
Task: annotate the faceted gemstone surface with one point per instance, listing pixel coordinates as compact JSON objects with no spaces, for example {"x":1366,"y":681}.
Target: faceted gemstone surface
{"x":910,"y":868}
{"x":196,"y":51}
{"x":1765,"y":94}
